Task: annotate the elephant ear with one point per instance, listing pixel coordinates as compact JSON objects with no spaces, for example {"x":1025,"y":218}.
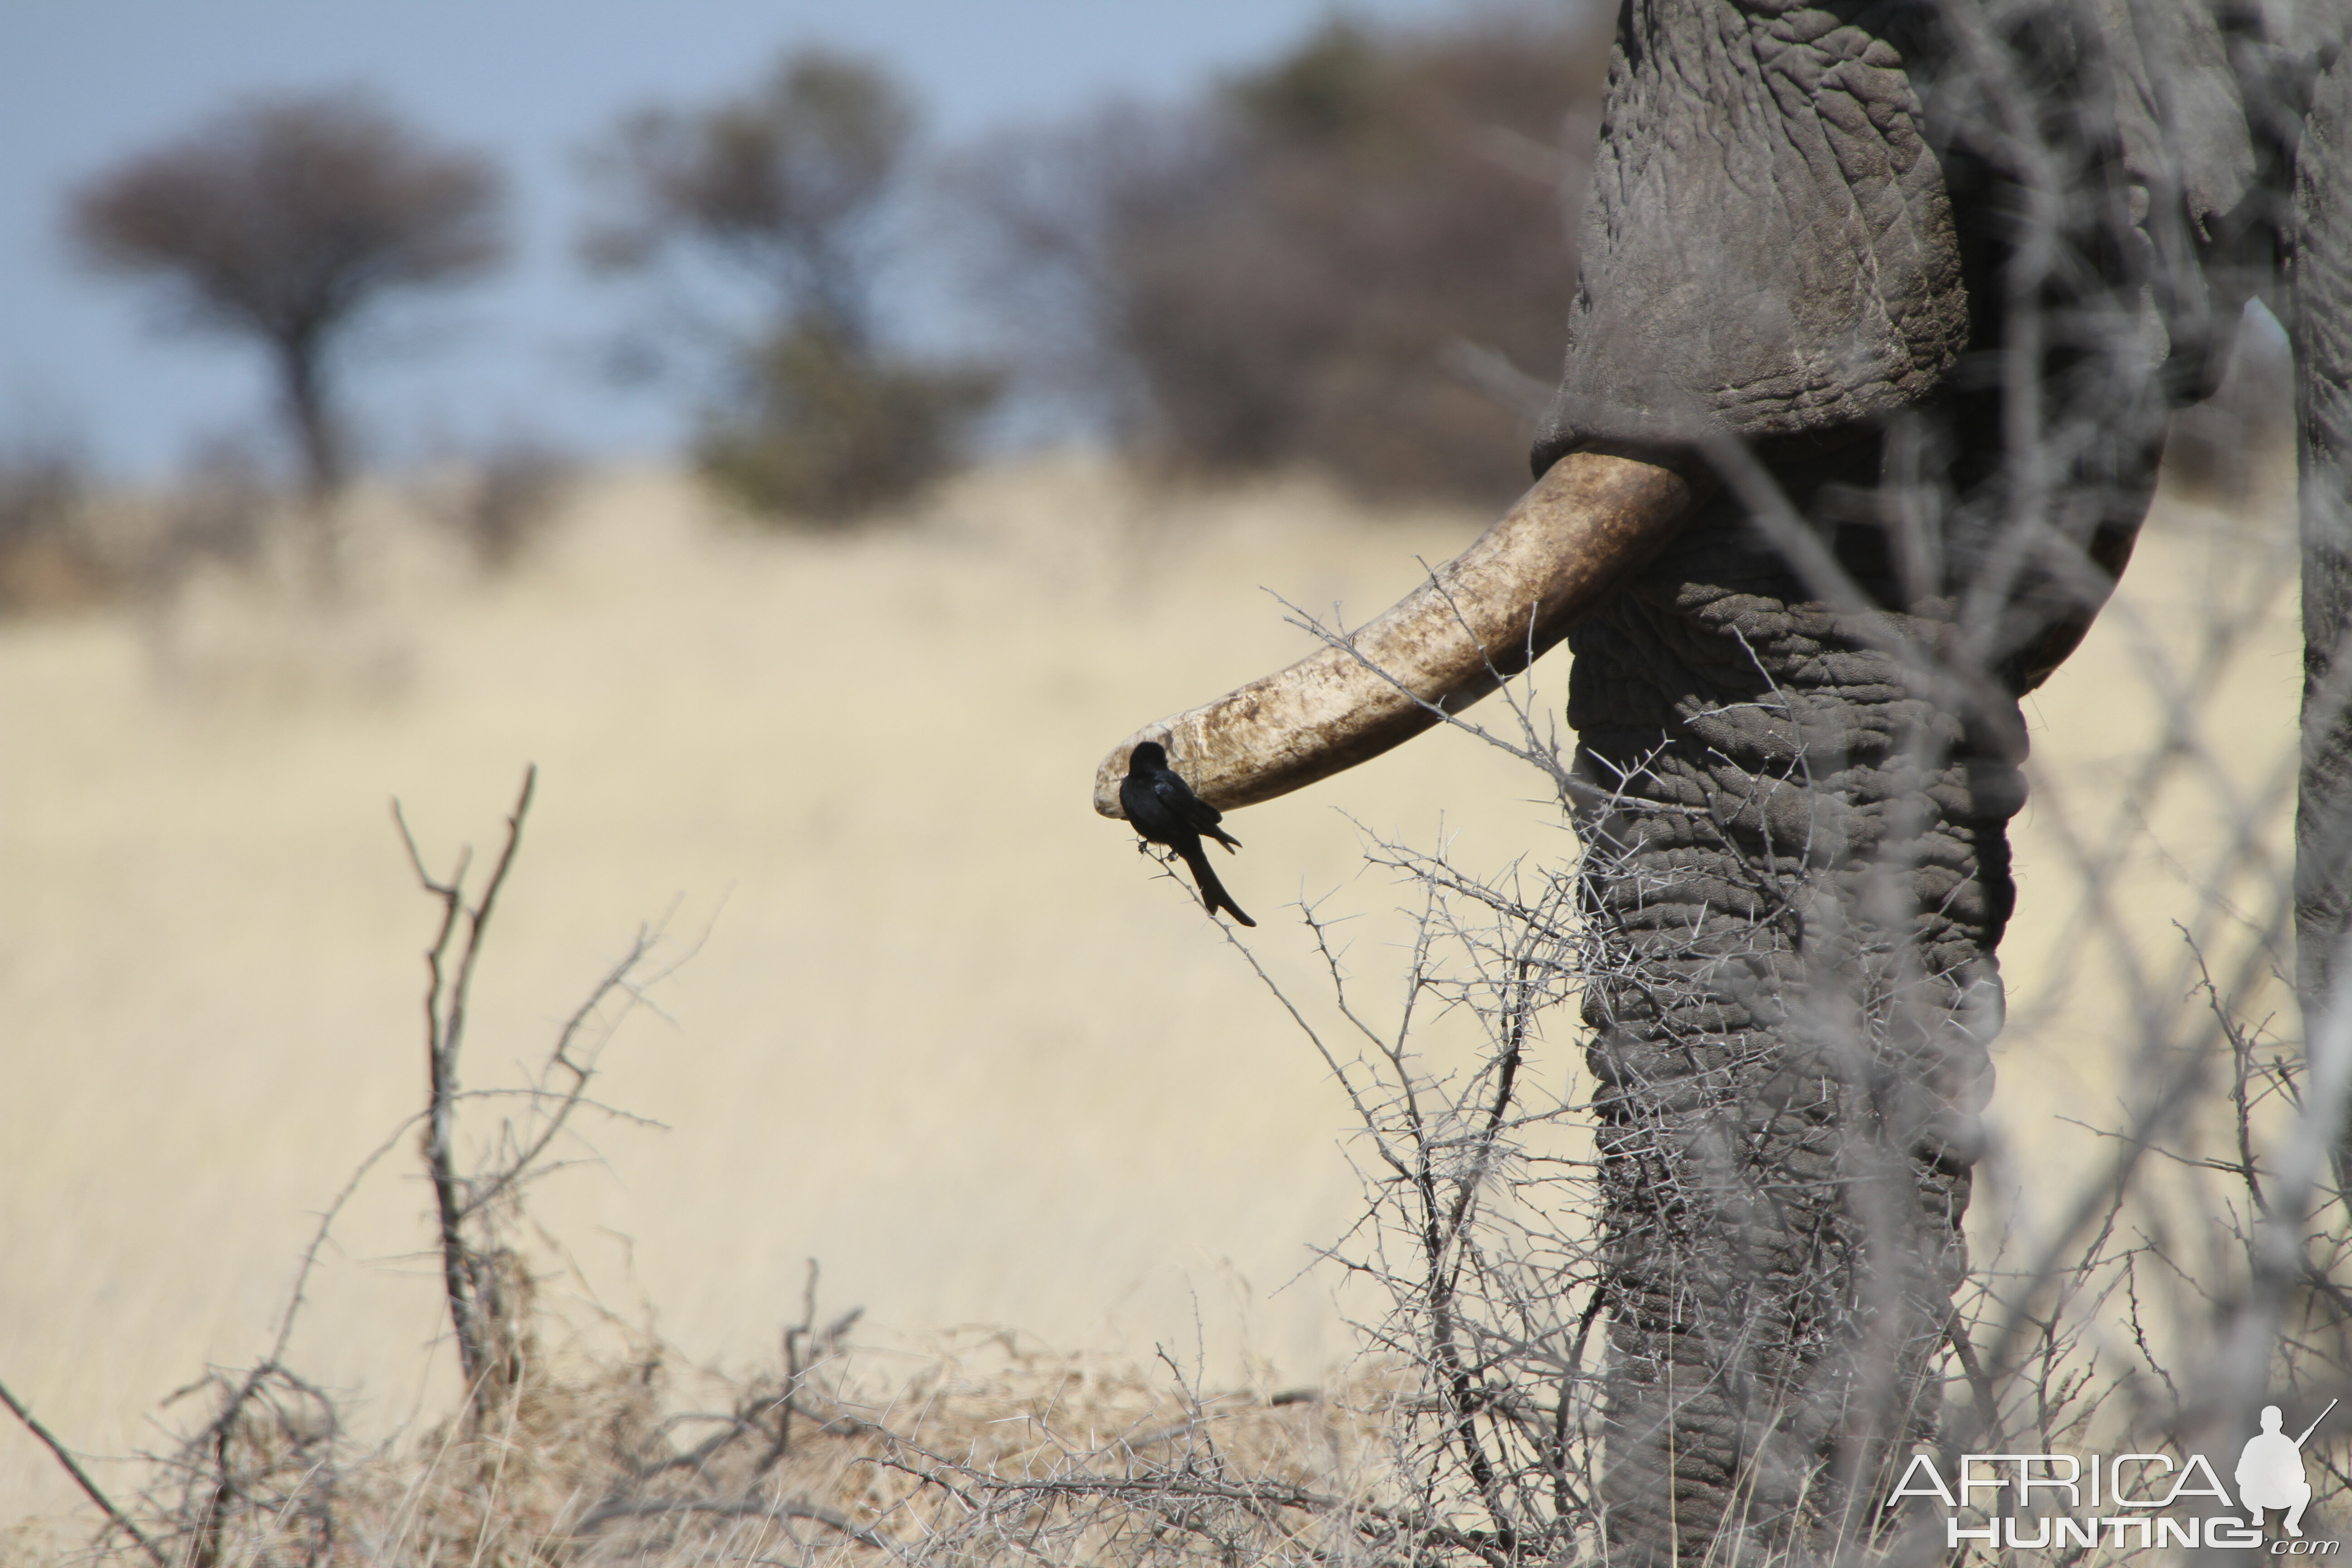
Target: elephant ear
{"x":1769,"y":248}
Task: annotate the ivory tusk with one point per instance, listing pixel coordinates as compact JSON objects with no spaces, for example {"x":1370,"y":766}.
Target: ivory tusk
{"x":1593,"y":519}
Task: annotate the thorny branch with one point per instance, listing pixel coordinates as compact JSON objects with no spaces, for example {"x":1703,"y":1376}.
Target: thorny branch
{"x":471,"y":1292}
{"x":82,"y":1478}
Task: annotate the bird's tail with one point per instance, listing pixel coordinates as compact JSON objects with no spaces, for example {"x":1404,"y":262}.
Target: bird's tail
{"x":1212,"y":892}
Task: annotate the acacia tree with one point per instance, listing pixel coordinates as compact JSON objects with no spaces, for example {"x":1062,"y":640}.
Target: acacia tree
{"x":788,"y":188}
{"x":287,"y":221}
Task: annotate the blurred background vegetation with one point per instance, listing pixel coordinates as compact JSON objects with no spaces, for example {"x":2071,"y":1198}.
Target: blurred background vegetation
{"x":1352,"y":258}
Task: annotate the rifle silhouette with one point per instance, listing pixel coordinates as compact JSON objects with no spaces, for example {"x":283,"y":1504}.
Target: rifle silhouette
{"x":2315,"y":1425}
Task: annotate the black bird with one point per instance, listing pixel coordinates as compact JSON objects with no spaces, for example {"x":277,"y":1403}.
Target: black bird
{"x":1163,"y":808}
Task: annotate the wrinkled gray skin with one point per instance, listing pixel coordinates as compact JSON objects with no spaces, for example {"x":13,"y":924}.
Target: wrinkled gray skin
{"x":1811,"y":241}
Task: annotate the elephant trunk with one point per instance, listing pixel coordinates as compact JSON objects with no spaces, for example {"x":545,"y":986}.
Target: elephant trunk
{"x":1593,"y":519}
{"x":1797,"y":872}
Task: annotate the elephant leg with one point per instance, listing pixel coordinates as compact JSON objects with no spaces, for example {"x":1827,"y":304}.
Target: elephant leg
{"x":2323,"y":353}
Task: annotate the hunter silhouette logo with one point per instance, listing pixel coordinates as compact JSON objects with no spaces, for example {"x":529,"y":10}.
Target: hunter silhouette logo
{"x":2126,"y":1502}
{"x":2269,"y":1471}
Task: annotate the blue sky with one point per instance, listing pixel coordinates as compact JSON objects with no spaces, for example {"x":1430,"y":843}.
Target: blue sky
{"x":84,"y":82}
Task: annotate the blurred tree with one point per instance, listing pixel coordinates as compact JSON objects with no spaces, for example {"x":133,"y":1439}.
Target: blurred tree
{"x":1358,"y":257}
{"x":288,"y":220}
{"x":827,"y":428}
{"x":790,"y":188}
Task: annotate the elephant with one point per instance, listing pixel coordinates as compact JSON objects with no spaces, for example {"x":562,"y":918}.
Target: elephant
{"x":1882,"y":309}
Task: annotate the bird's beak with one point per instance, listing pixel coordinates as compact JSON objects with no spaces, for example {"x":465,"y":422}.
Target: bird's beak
{"x":1483,"y":618}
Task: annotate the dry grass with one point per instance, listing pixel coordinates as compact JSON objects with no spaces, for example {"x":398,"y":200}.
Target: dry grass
{"x":947,"y":1032}
{"x":597,"y":1459}
{"x":944,"y":1032}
